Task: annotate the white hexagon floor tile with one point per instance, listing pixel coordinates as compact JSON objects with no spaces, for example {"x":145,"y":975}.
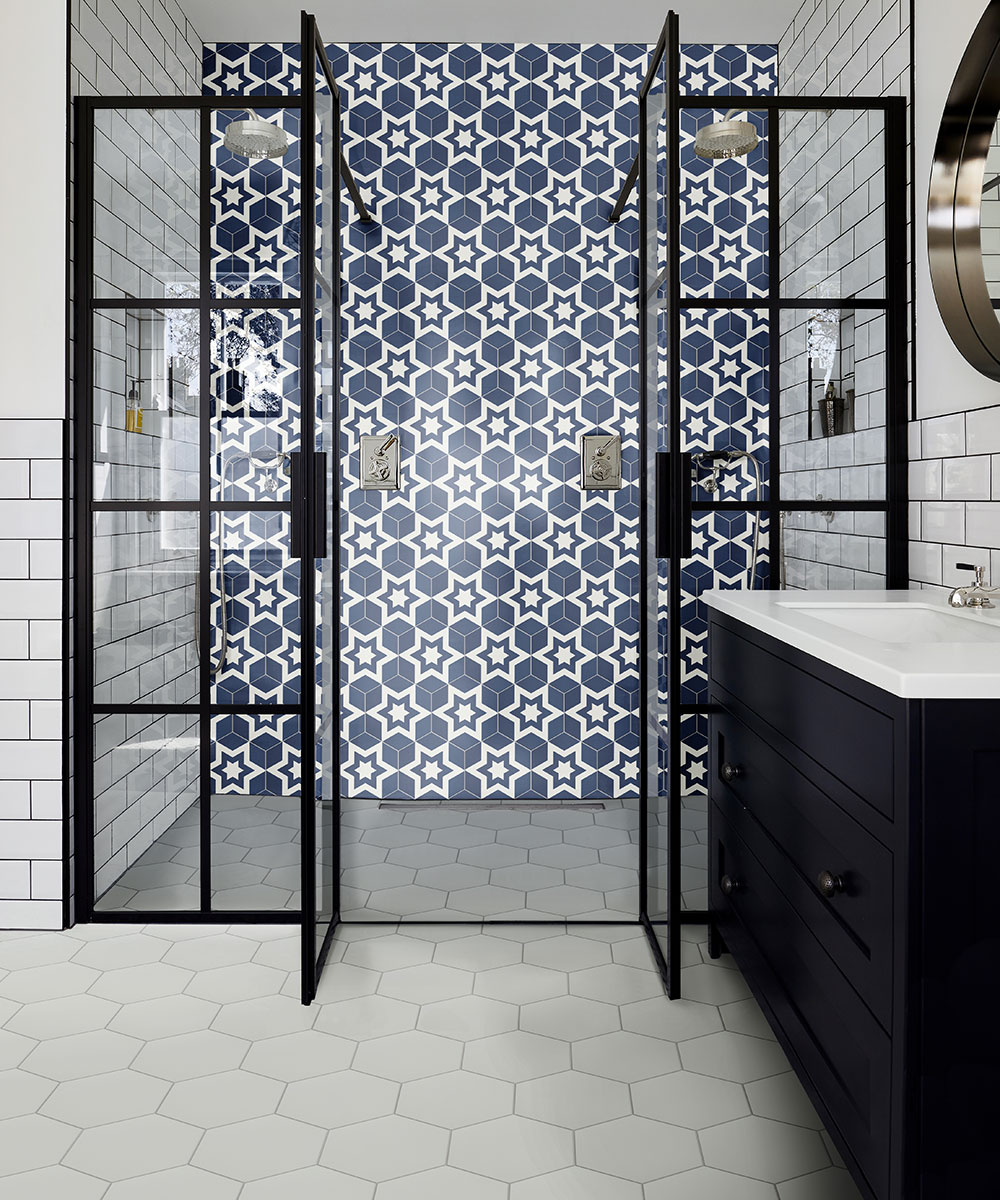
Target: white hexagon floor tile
{"x":500,"y":1062}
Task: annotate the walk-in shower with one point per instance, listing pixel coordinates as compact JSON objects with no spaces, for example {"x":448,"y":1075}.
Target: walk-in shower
{"x":475,"y":691}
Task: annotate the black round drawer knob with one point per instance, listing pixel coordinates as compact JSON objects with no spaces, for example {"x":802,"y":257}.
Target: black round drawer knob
{"x":731,"y":771}
{"x":829,"y":884}
{"x":730,"y":886}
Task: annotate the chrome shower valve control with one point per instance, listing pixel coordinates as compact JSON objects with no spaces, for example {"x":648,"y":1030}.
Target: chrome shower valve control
{"x":380,"y":462}
{"x":975,"y":595}
{"x":600,"y":461}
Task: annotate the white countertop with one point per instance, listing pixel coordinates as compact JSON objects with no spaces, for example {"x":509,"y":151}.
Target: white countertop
{"x":947,"y":665}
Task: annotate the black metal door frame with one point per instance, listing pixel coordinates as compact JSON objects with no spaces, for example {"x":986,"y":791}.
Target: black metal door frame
{"x":666,"y":499}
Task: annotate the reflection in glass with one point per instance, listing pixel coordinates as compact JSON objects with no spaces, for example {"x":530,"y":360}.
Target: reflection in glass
{"x":145,"y":602}
{"x":146,"y":203}
{"x":146,"y":404}
{"x":146,"y":778}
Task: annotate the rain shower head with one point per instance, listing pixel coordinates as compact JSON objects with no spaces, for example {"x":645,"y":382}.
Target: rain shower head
{"x":254,"y":138}
{"x":725,"y":138}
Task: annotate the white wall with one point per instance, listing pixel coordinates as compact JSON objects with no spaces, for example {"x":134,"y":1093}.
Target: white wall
{"x":32,"y":405}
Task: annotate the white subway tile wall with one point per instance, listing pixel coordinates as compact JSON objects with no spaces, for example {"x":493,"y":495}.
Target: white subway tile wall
{"x":117,"y":47}
{"x":833,"y":245}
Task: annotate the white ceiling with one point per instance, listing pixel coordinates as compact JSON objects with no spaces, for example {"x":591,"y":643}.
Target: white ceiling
{"x":718,"y":21}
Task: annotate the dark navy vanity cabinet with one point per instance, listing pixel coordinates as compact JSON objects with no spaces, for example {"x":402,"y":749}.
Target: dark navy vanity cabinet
{"x":855,"y":877}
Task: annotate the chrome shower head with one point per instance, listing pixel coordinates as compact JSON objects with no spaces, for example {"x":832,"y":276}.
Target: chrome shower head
{"x":254,"y":138}
{"x":725,"y":138}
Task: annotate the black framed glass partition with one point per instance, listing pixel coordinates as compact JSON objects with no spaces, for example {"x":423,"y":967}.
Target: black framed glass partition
{"x":774,"y":343}
{"x":206,"y":707}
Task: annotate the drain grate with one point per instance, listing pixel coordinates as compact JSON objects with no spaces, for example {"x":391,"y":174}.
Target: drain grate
{"x":491,"y":806}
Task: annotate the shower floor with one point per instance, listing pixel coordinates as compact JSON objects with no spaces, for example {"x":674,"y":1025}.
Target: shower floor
{"x":423,"y":861}
{"x":256,"y":860}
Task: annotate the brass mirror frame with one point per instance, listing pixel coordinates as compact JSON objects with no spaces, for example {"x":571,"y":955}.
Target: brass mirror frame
{"x":954,"y":241}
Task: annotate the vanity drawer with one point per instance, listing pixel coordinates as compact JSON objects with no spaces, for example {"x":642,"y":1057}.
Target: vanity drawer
{"x":799,"y":834}
{"x":843,"y":1051}
{"x":850,"y":739}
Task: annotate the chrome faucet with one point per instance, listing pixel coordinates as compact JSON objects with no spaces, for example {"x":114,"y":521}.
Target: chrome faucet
{"x":975,"y":595}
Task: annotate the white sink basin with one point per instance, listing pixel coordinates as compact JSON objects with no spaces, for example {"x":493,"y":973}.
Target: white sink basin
{"x":905,"y":623}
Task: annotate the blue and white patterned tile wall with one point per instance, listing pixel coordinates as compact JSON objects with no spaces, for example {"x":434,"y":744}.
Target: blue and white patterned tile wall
{"x":491,"y":607}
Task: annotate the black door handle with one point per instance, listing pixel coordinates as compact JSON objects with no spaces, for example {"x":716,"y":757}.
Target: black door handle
{"x":666,"y":487}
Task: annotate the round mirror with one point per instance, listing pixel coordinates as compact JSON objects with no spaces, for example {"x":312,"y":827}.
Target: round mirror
{"x":963,"y":217}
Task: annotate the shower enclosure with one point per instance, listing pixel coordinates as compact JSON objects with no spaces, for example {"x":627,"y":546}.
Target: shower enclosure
{"x":207,"y":620}
{"x":772,"y":295}
{"x":479,"y":695}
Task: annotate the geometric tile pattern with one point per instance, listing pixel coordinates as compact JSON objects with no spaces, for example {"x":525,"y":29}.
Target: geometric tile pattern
{"x":515,"y":1064}
{"x":490,"y":617}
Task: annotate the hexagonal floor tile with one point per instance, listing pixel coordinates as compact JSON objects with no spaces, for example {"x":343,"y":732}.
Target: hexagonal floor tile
{"x":675,"y":1020}
{"x":763,"y":1149}
{"x":704,"y":1183}
{"x":260,"y":1147}
{"x":572,"y":1099}
{"x":468,"y":1017}
{"x":385,"y":1148}
{"x":367,"y":1017}
{"x":451,"y":877}
{"x":165,"y":1016}
{"x":49,"y":1182}
{"x":733,"y":1056}
{"x":455,"y":1099}
{"x":712,"y":984}
{"x":242,"y":981}
{"x":63,"y":1016}
{"x":477,"y":953}
{"x":14,"y":1049}
{"x":47,"y":982}
{"x":309,"y":1183}
{"x":82,"y":1054}
{"x":100,"y":1099}
{"x":571,"y":1018}
{"x":745,"y":1016}
{"x":511,"y":1148}
{"x":833,"y":1183}
{"x":129,"y":984}
{"x":693,"y":1101}
{"x":22,"y":1093}
{"x":188,"y":1182}
{"x":564,"y":901}
{"x":191,"y":1055}
{"x":426,"y":984}
{"x":442,"y":1183}
{"x":628,"y":1057}
{"x":138,"y":1146}
{"x":36,"y":950}
{"x":487,"y":901}
{"x":575,"y":1183}
{"x":222,"y":1099}
{"x":266,"y":1016}
{"x":299,"y":1055}
{"x":132,"y":950}
{"x":568,"y":953}
{"x":521,"y":983}
{"x":32,"y":1141}
{"x":388,"y":953}
{"x":343,"y":1098}
{"x":517,"y":1056}
{"x":637,"y":1149}
{"x":341,"y":981}
{"x":616,"y":984}
{"x":406,"y":1056}
{"x":220,"y":950}
{"x":782,"y":1098}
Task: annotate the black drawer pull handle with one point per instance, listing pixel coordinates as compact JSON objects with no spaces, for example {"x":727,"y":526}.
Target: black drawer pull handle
{"x":730,"y":886}
{"x":830,"y":884}
{"x":731,"y":771}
